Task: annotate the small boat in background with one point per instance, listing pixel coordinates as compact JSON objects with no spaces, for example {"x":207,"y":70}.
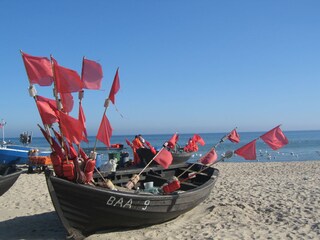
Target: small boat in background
{"x":181,"y":156}
{"x":8,"y":176}
{"x":11,"y":154}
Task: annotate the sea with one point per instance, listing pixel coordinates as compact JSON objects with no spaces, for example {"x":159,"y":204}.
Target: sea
{"x":302,"y":146}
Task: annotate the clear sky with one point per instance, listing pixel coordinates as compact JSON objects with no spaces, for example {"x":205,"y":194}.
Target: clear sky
{"x":186,"y":66}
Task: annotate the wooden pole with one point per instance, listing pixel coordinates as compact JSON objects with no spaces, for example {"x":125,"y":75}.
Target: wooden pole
{"x":214,"y":147}
{"x":228,"y":154}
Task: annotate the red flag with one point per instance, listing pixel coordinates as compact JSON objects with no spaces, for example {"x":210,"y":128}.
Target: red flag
{"x":115,"y":87}
{"x":248,"y":151}
{"x":105,"y":131}
{"x":47,"y":110}
{"x":129,"y":143}
{"x":152,"y":149}
{"x":234,"y":136}
{"x":58,"y":136}
{"x":82,"y":119}
{"x":67,"y":102}
{"x":210,"y":157}
{"x":39,"y":69}
{"x":196,"y":138}
{"x":83,"y":154}
{"x":164,"y":158}
{"x":91,"y":74}
{"x":275,"y":138}
{"x":173,"y":140}
{"x":69,"y":149}
{"x":54,"y":145}
{"x":71,"y":128}
{"x":67,"y":80}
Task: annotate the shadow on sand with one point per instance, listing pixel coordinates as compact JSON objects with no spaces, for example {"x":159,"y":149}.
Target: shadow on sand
{"x":39,"y":226}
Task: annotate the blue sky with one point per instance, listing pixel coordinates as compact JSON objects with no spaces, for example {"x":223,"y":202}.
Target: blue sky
{"x":185,"y":66}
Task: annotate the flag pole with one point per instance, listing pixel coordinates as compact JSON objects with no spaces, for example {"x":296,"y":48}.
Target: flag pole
{"x":164,"y":145}
{"x":135,"y":178}
{"x":214,"y":147}
{"x":33,"y":94}
{"x":59,"y":104}
{"x":227,"y":155}
{"x":106,"y":105}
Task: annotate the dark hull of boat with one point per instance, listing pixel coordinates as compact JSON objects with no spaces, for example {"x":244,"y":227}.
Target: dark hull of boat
{"x":84,"y":209}
{"x":8,"y":179}
{"x":181,"y":157}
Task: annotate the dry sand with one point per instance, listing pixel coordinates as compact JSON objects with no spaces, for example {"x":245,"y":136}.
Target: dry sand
{"x":252,"y":200}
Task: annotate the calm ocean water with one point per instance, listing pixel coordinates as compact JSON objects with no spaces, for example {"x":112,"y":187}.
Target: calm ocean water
{"x":303,"y":145}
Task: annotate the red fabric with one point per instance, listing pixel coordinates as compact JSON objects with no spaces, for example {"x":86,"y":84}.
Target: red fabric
{"x":54,"y":145}
{"x":82,"y":119}
{"x":105,"y":131}
{"x":115,"y":87}
{"x":67,"y":80}
{"x":83,"y":154}
{"x":137,"y":143}
{"x":68,"y":170}
{"x":56,"y":160}
{"x":89,"y":169}
{"x":38,"y":69}
{"x":136,"y":159}
{"x":72,"y":151}
{"x":69,"y":149}
{"x":91,"y":74}
{"x":191,"y":146}
{"x":129,"y":143}
{"x":58,"y":136}
{"x":275,"y":138}
{"x":173,"y":140}
{"x":71,"y":128}
{"x":47,"y":114}
{"x":67,"y":102}
{"x":164,"y":158}
{"x":248,"y":151}
{"x":210,"y":157}
{"x":152,"y":149}
{"x":198,"y":139}
{"x":234,"y":136}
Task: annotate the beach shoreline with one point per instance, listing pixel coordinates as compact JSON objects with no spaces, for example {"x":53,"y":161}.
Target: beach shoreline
{"x":251,"y":200}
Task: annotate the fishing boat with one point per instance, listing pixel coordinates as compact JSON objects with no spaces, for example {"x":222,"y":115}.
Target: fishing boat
{"x":18,"y":154}
{"x":85,"y":209}
{"x":181,"y":156}
{"x":8,"y":176}
{"x":87,"y":200}
{"x":11,"y":154}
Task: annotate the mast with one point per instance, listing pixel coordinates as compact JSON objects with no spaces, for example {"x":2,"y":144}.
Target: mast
{"x":2,"y":124}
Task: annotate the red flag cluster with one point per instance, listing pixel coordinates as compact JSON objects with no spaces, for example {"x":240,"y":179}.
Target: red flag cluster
{"x":274,"y":138}
{"x":42,"y":71}
{"x":192,"y":146}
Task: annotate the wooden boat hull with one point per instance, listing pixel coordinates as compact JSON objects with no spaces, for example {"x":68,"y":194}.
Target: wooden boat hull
{"x":8,"y":177}
{"x":85,"y":209}
{"x":181,"y":157}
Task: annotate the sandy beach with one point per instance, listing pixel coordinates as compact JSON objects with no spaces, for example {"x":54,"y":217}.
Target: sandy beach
{"x":252,"y":200}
